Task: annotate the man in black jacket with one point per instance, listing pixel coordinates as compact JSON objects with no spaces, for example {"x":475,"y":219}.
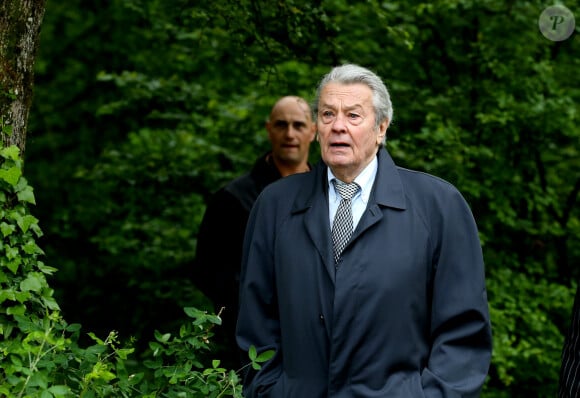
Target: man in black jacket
{"x":570,"y":370}
{"x":219,"y":243}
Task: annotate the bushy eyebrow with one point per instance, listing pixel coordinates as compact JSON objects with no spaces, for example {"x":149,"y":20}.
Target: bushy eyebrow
{"x":345,"y":107}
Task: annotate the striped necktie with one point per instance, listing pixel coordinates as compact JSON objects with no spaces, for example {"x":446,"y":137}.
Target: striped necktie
{"x":342,"y":225}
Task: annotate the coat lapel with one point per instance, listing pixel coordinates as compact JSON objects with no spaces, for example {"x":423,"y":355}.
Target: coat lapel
{"x":313,"y":201}
{"x":387,"y":192}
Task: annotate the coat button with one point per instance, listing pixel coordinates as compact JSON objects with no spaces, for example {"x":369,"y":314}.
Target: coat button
{"x":321,"y":317}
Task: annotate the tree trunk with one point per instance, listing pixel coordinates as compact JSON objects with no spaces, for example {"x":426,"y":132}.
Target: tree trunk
{"x":20,"y":22}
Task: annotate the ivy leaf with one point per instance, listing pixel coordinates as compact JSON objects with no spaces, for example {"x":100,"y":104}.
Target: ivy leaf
{"x":13,"y":264}
{"x":45,"y":269}
{"x":6,"y":229}
{"x":32,"y":248}
{"x":48,"y":299}
{"x":3,"y":278}
{"x":11,"y":152}
{"x":27,"y":195}
{"x":33,"y":282}
{"x":11,"y":175}
{"x":6,"y":295}
{"x":25,"y":222}
{"x":11,"y":253}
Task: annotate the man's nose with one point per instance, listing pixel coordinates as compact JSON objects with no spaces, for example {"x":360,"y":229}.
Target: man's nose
{"x":339,"y":123}
{"x":291,"y":131}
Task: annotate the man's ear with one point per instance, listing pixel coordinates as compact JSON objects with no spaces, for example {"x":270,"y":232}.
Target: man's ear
{"x":383,"y":130}
{"x":268,"y":126}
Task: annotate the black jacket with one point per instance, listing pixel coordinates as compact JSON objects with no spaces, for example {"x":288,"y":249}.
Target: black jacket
{"x":220,"y":239}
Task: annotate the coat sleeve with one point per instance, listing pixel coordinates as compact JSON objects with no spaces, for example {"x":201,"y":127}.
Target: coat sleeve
{"x":570,"y":369}
{"x":258,"y":322}
{"x":460,"y":324}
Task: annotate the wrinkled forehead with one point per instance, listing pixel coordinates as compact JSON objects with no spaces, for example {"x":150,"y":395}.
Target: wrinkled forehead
{"x":346,"y":95}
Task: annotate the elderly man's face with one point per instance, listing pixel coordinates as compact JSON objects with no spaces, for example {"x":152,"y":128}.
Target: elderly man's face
{"x":346,"y":132}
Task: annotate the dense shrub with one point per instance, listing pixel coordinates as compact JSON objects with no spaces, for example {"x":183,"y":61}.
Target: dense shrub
{"x":40,"y":352}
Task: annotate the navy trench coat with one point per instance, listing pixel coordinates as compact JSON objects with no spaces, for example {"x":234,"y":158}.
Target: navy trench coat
{"x":404,"y":313}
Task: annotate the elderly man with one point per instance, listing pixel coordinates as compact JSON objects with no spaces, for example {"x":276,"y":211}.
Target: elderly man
{"x":290,"y":130}
{"x":367,"y":280}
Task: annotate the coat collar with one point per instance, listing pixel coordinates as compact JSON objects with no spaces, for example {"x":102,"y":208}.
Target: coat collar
{"x":313,"y":200}
{"x":387,"y":189}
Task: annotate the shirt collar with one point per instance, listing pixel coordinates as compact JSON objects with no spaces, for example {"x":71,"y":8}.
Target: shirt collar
{"x":365,"y":179}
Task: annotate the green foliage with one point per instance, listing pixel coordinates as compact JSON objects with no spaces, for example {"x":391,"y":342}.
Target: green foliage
{"x":143,"y":108}
{"x":175,"y":360}
{"x":257,"y":358}
{"x":39,"y":350}
{"x":525,"y":312}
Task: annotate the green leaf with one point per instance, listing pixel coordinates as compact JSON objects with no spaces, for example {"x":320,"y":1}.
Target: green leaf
{"x":16,"y":310}
{"x":50,"y":303}
{"x":39,"y":379}
{"x":11,"y":175}
{"x":153,"y":364}
{"x":12,"y":152}
{"x":45,"y":269}
{"x":32,"y":248}
{"x":193,"y":312}
{"x":11,"y":252}
{"x":26,"y":195}
{"x":22,"y":297}
{"x":73,"y":327}
{"x":164,"y":338}
{"x":25,"y":222}
{"x":95,"y":338}
{"x":14,"y":264}
{"x":60,"y":390}
{"x":124,"y":353}
{"x":6,"y":295}
{"x":34,"y":282}
{"x":252,"y":353}
{"x":6,"y":229}
{"x":265,"y":356}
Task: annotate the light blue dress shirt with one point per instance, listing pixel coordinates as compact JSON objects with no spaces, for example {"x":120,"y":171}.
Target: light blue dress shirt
{"x":359,"y":202}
